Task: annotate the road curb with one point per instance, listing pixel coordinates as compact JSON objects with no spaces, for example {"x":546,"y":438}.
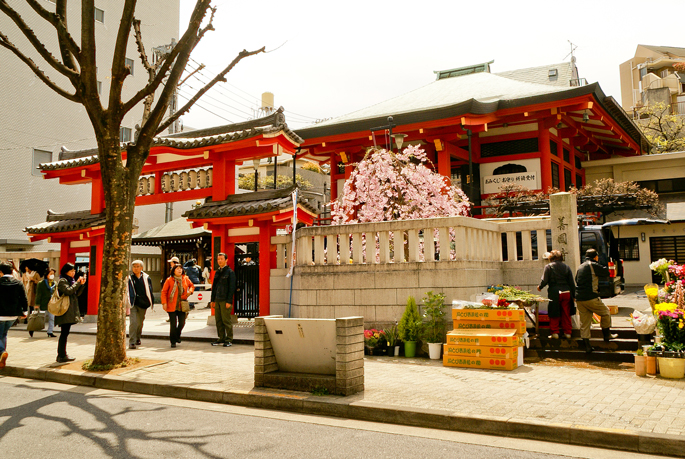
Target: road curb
{"x":352,"y":408}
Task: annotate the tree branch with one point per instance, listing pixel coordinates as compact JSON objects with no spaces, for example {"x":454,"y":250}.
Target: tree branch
{"x":151,"y":70}
{"x":33,"y":39}
{"x":220,"y":77}
{"x":5,"y":43}
{"x":119,"y":69}
{"x":198,"y":69}
{"x":89,"y":78}
{"x":67,"y":45}
{"x":187,"y":43}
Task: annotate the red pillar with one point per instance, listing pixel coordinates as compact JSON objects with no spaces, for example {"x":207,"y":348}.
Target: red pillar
{"x":97,"y":197}
{"x":545,"y":158}
{"x":265,"y":269}
{"x":334,"y":181}
{"x":444,"y":166}
{"x":95,"y":274}
{"x":65,"y":255}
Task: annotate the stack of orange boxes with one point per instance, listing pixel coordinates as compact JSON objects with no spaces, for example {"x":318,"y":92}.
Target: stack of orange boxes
{"x":485,"y":338}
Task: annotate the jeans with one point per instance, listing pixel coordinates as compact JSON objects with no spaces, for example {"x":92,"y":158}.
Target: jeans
{"x":4,"y":328}
{"x":51,"y":322}
{"x":177,"y":321}
{"x":62,"y":343}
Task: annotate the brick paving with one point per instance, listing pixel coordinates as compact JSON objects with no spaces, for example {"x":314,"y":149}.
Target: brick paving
{"x":582,"y":395}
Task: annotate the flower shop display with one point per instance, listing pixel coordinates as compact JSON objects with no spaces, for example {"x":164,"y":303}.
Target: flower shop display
{"x":661,"y":267}
{"x":488,"y":334}
{"x":640,"y":363}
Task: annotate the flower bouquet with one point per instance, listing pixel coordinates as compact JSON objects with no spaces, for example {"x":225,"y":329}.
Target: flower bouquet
{"x":374,"y":341}
{"x":661,"y":267}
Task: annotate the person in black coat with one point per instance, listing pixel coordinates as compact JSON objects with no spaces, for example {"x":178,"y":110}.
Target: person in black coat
{"x":561,"y":291}
{"x":223,"y":288}
{"x":71,"y":288}
{"x":12,"y":304}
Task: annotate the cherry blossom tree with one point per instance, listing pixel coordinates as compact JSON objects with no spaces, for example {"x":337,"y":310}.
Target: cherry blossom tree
{"x":389,"y":186}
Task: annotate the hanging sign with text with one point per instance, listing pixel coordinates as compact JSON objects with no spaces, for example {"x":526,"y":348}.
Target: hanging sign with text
{"x":493,"y":183}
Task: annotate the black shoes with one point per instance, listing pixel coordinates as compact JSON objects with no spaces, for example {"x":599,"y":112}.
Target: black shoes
{"x":51,"y":335}
{"x":138,"y":343}
{"x":608,"y":336}
{"x":218,"y":343}
{"x":588,"y":347}
{"x":173,"y":344}
{"x":65,"y":359}
{"x":228,"y":344}
{"x":131,"y":346}
{"x":31,"y":334}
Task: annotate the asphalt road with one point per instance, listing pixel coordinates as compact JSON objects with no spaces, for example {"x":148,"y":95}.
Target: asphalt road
{"x":48,"y":420}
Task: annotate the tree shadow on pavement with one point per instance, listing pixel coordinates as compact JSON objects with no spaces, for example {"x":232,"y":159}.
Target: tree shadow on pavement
{"x":113,"y":438}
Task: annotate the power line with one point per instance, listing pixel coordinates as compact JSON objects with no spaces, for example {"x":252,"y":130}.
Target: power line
{"x":186,"y":96}
{"x":217,"y":89}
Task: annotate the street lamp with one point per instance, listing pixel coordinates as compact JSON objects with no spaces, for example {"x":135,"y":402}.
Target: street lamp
{"x":255,"y":164}
{"x":399,"y":140}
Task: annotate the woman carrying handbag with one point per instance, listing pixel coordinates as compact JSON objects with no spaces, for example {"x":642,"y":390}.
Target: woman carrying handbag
{"x":67,"y":286}
{"x":175,"y":293}
{"x":43,"y":294}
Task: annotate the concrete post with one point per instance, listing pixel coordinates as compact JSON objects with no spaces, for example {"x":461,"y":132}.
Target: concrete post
{"x":264,"y":358}
{"x":349,"y":358}
{"x":564,"y":216}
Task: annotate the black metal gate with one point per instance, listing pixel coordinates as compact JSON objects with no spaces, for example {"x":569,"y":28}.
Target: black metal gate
{"x":247,"y":286}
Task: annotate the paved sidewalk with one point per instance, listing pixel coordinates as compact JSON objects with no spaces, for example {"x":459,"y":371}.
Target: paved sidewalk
{"x":574,"y":403}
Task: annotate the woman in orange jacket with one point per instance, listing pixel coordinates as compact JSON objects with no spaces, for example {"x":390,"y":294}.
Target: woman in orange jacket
{"x":177,"y":288}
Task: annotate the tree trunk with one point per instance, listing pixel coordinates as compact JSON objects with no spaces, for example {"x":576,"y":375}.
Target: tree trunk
{"x":119,"y":193}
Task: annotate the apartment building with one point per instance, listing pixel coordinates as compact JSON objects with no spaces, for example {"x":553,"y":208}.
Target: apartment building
{"x":36,"y":123}
{"x":651,"y":76}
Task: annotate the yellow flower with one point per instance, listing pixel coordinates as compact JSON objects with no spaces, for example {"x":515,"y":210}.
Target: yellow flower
{"x":670,"y":307}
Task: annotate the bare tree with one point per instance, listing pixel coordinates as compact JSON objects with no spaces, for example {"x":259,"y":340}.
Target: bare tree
{"x":77,"y":63}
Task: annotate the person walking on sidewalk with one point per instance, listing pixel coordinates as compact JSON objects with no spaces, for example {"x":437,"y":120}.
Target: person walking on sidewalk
{"x":175,"y":293}
{"x":139,"y":291}
{"x":223,"y":289}
{"x":588,"y":300}
{"x":12,"y":304}
{"x":561,"y":291}
{"x":43,"y":294}
{"x":71,"y":288}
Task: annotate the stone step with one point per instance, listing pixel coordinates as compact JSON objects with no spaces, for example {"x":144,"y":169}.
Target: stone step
{"x":575,"y":343}
{"x":575,"y":354}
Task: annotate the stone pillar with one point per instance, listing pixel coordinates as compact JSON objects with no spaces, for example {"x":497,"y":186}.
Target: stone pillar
{"x":564,"y":221}
{"x":264,"y":358}
{"x":349,"y":359}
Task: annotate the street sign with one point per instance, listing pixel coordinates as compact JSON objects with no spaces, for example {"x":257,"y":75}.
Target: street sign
{"x":201,"y":296}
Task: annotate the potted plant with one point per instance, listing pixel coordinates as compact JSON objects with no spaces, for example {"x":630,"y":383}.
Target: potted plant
{"x":640,"y":363}
{"x":409,"y":327}
{"x":373,"y":339}
{"x":434,"y":326}
{"x":392,"y":336}
{"x":671,"y":324}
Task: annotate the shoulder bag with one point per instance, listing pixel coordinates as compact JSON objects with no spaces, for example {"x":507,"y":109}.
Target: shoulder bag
{"x":58,"y":305}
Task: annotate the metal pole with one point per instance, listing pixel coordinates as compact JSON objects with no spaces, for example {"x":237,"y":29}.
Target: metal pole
{"x":294,"y":167}
{"x":470,"y":179}
{"x":275,"y":171}
{"x":255,"y":179}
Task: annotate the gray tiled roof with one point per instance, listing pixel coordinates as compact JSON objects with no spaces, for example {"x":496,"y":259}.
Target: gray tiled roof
{"x":249,"y":204}
{"x":268,"y":125}
{"x":541,"y":74}
{"x":175,"y":229}
{"x":69,"y":221}
{"x":676,"y":52}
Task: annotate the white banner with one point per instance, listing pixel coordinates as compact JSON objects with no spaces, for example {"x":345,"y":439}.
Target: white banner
{"x":493,"y":183}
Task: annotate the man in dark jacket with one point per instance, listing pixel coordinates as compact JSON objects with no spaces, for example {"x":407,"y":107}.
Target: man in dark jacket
{"x":588,"y":300}
{"x":139,"y":287}
{"x":12,"y":304}
{"x":223,"y":288}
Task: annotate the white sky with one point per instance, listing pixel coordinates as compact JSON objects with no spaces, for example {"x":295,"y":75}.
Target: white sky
{"x":331,"y":58}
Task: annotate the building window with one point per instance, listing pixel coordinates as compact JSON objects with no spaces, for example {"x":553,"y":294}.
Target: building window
{"x":567,"y":156}
{"x":553,"y":148}
{"x":568,"y":179}
{"x":577,"y":160}
{"x":628,"y":249}
{"x":664,"y":73}
{"x":129,"y":63}
{"x":124,"y":134}
{"x":579,"y":181}
{"x":510,"y":147}
{"x":555,"y":175}
{"x":99,"y":15}
{"x":664,"y":186}
{"x":39,"y":157}
{"x":99,"y":87}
